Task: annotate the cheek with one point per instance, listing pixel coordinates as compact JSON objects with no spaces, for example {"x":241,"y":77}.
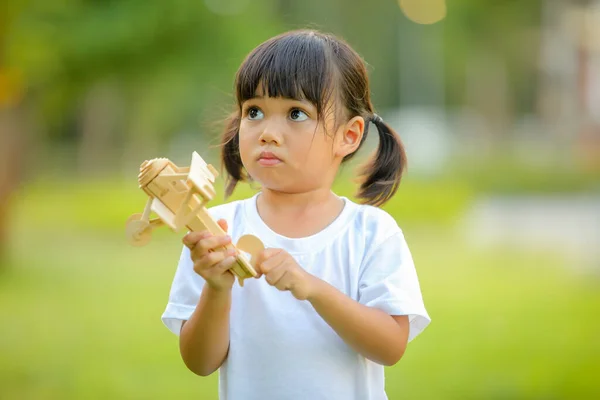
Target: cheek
{"x":318,"y":149}
{"x":244,"y":140}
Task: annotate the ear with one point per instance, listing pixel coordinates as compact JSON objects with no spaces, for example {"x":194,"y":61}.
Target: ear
{"x":351,"y":136}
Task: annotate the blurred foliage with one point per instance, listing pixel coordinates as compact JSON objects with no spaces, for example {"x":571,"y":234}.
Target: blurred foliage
{"x":110,"y":83}
{"x":167,"y":61}
{"x":167,"y":68}
{"x":505,"y":176}
{"x":507,"y":29}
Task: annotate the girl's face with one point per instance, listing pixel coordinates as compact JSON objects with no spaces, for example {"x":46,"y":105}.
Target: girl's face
{"x":284,"y":147}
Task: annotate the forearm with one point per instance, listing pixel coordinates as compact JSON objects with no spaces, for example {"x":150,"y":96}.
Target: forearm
{"x":370,"y":332}
{"x":204,"y":338}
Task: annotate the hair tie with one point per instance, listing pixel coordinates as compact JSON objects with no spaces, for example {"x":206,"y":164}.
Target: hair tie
{"x":376,"y":119}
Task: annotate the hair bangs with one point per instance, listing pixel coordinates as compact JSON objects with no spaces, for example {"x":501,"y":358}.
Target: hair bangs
{"x":294,"y":66}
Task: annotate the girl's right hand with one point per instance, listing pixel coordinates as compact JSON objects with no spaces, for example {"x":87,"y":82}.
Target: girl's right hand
{"x":211,"y":261}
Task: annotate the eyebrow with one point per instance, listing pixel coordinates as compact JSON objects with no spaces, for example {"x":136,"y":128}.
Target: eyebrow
{"x":262,"y":97}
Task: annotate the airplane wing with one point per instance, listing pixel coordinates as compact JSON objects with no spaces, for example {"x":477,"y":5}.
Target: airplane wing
{"x":202,"y":176}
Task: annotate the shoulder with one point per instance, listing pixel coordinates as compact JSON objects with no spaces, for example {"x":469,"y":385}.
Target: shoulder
{"x":227,"y":210}
{"x":375,"y":224}
{"x":234,"y":213}
{"x":376,"y":217}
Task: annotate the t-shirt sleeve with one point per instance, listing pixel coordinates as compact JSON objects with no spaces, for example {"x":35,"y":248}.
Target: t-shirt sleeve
{"x":389,"y":282}
{"x":184,"y":295}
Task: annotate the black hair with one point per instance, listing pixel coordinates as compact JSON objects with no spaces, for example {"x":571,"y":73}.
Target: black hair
{"x":310,"y":65}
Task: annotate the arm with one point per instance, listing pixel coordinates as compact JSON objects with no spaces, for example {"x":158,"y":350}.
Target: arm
{"x":372,"y":327}
{"x":371,"y":332}
{"x":204,"y":339}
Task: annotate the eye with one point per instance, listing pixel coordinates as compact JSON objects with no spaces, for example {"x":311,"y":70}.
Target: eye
{"x":298,"y":115}
{"x":254,"y":113}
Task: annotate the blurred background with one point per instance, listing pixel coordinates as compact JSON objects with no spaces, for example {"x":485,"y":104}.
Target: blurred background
{"x":497,"y":102}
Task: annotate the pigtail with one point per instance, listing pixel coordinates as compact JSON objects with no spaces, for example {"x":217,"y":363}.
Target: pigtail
{"x":381,"y":176}
{"x":230,"y":154}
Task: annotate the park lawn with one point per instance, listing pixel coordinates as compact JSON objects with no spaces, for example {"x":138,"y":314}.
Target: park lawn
{"x":81,"y":315}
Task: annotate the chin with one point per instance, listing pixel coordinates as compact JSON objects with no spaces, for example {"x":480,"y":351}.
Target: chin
{"x":272,"y":184}
{"x":283,"y":187}
{"x":267,"y":177}
{"x":278,"y":181}
{"x":275,"y":183}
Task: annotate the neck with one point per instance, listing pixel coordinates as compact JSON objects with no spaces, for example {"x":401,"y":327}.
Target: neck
{"x":298,"y":214}
{"x":290,"y":202}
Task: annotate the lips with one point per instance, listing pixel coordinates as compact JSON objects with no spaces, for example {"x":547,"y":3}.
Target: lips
{"x":267,"y":158}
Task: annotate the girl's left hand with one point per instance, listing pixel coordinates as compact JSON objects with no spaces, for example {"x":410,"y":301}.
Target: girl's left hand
{"x":282,"y":271}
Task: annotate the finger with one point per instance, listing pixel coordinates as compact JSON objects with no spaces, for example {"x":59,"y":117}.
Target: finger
{"x":216,"y":257}
{"x":265,"y":255}
{"x":223,"y":224}
{"x":225,"y":264}
{"x":273,"y":276}
{"x":210,"y":244}
{"x":192,"y":238}
{"x":214,"y":242}
{"x":274,"y":261}
{"x":285,"y":282}
{"x":209,"y":260}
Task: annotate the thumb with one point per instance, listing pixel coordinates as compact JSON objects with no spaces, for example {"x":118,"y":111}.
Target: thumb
{"x":262,"y":257}
{"x":223,"y":224}
{"x":265,"y":255}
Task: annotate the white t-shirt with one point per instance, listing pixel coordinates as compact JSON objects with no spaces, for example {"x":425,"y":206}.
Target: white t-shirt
{"x":280,"y":348}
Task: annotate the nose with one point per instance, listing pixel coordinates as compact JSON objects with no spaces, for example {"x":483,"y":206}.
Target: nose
{"x":271,"y":134}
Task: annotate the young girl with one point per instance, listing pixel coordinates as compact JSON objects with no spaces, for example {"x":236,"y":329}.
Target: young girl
{"x":338,"y":297}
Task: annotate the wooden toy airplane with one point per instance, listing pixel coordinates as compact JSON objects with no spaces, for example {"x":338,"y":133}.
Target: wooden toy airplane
{"x":178,"y":196}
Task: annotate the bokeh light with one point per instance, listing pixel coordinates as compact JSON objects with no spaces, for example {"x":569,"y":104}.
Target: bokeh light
{"x":424,"y":11}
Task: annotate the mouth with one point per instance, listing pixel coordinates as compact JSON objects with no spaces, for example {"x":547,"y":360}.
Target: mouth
{"x":266,"y":158}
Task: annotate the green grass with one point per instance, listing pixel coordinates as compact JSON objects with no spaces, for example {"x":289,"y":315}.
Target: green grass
{"x":80,"y":312}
